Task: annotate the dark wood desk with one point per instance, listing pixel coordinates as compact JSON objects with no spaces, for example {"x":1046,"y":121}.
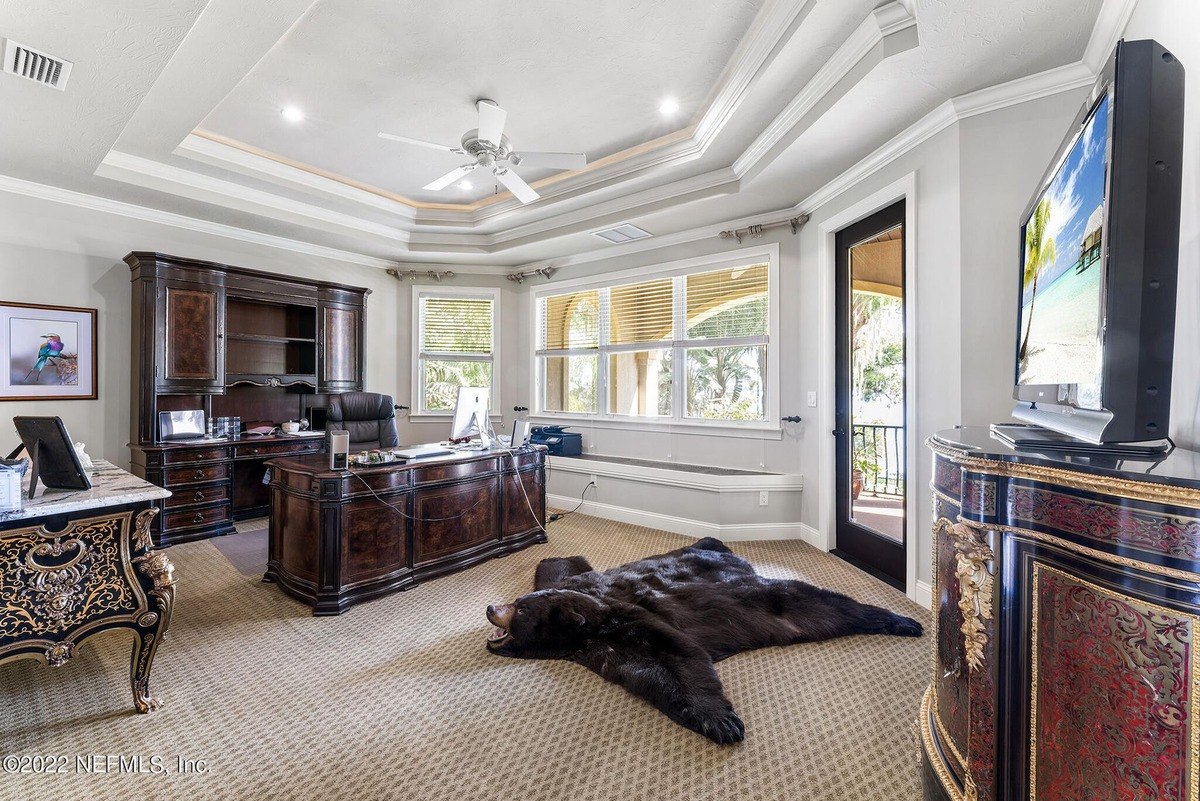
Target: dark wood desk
{"x":341,"y":537}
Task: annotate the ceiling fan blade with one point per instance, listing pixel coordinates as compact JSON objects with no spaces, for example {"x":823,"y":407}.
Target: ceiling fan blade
{"x":491,"y":121}
{"x":450,"y":177}
{"x":515,"y":184}
{"x":408,"y":140}
{"x":559,"y":161}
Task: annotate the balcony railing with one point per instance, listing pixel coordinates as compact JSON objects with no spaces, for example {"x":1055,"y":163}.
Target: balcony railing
{"x":879,"y":452}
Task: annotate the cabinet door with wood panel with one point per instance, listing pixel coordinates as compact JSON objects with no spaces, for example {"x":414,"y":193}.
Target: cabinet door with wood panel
{"x":192,"y":316}
{"x":341,"y":348}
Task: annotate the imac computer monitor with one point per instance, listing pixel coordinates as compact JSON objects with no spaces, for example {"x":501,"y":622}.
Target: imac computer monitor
{"x":471,"y":414}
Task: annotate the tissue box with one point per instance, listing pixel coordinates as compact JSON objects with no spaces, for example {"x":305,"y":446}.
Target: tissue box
{"x":11,"y":473}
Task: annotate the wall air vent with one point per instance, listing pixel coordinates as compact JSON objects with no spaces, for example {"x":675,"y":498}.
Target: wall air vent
{"x":26,"y":63}
{"x":622,"y":234}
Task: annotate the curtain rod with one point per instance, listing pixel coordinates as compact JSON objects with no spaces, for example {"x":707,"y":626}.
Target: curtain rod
{"x":755,"y":231}
{"x":520,"y":277}
{"x":436,"y":275}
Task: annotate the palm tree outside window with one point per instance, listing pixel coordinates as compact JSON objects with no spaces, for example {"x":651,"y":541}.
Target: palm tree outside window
{"x":685,"y":347}
{"x":456,"y":344}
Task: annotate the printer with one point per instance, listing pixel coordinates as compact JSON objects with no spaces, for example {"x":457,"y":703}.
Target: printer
{"x":559,"y":441}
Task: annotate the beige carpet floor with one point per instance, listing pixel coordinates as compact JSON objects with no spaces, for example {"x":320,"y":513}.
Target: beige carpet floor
{"x":399,"y":698}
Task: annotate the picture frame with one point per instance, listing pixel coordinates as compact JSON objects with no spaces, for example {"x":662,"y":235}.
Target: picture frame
{"x":47,"y":352}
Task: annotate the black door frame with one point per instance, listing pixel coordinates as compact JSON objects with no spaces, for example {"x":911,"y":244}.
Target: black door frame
{"x":876,"y":554}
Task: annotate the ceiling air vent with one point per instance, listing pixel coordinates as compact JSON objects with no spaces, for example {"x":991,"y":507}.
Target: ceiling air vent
{"x":46,"y":70}
{"x":623,"y":233}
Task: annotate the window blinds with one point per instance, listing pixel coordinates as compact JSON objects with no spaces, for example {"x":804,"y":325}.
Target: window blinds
{"x":727,"y":303}
{"x":570,"y":321}
{"x":640,"y":312}
{"x":456,"y":325}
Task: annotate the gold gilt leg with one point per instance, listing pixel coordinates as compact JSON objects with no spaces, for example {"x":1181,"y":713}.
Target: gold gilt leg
{"x":145,"y":643}
{"x":153,"y":624}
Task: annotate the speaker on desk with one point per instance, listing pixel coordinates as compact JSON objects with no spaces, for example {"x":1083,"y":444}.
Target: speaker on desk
{"x":339,"y":450}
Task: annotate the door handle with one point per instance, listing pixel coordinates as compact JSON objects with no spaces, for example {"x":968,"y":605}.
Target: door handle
{"x":837,"y":432}
{"x":795,"y":418}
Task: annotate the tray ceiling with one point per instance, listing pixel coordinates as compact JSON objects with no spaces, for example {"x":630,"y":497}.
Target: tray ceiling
{"x":175,"y":108}
{"x":585,"y":82}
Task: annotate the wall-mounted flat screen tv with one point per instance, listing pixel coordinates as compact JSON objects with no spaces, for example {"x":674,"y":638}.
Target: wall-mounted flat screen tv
{"x":1099,"y":247}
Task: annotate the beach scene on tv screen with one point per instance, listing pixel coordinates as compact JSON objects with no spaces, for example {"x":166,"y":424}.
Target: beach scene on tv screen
{"x":1061,"y":277}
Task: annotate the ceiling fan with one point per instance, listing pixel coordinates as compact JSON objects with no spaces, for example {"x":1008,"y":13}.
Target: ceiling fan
{"x":492,"y":151}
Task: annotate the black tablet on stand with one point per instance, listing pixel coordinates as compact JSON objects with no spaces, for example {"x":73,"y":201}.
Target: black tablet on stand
{"x":52,"y":455}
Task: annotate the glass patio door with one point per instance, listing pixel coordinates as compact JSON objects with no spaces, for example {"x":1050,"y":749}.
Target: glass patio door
{"x":871,"y":393}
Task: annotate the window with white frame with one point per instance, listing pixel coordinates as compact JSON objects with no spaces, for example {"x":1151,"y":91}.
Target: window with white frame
{"x":456,"y":344}
{"x":690,"y":346}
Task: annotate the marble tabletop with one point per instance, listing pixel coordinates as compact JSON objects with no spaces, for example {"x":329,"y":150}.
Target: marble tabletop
{"x":111,"y":486}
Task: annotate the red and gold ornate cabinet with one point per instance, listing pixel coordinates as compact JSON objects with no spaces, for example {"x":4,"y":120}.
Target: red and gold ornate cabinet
{"x":1067,"y":601}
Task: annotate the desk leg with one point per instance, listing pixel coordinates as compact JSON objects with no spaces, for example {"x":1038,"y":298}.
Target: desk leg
{"x":145,"y":643}
{"x":151,"y":626}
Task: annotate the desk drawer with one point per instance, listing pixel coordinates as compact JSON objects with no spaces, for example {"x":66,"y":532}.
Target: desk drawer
{"x":266,"y":450}
{"x":194,"y":475}
{"x":186,"y":518}
{"x":187,"y":496}
{"x":191,"y":455}
{"x":453,"y":470}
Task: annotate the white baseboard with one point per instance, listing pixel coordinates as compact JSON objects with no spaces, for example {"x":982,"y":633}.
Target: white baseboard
{"x":812,"y":537}
{"x":683,"y":525}
{"x":922,"y":594}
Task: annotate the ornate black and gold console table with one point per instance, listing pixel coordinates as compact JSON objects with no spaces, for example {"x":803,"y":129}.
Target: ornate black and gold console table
{"x":75,"y":563}
{"x":1067,"y":625}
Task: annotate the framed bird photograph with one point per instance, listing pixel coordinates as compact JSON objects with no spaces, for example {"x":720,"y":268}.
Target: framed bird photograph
{"x":47,"y":352}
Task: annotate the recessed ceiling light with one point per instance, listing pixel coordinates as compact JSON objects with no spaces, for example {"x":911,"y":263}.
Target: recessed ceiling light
{"x":292,"y":114}
{"x":464,"y":184}
{"x":668,"y":107}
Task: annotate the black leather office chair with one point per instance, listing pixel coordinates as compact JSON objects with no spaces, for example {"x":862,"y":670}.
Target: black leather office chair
{"x":368,"y":416}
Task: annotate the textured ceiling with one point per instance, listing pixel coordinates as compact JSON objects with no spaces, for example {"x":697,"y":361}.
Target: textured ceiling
{"x":573,"y":77}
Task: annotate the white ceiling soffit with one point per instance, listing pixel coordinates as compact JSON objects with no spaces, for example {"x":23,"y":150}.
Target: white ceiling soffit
{"x":677,"y":169}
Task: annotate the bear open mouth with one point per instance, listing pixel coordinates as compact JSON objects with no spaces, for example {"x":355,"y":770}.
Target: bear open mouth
{"x":497,"y":636}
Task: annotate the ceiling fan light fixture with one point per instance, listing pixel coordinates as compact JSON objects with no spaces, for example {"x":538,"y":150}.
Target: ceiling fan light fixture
{"x":491,"y":150}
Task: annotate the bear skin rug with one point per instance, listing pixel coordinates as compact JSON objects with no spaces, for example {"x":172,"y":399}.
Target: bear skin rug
{"x":656,"y":626}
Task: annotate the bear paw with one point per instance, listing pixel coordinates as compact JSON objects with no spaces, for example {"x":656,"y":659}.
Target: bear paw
{"x":722,"y":726}
{"x":905,"y":627}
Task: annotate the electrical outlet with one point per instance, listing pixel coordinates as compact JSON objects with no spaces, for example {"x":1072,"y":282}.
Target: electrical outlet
{"x":812,"y":399}
{"x":593,"y":480}
{"x":762,"y":498}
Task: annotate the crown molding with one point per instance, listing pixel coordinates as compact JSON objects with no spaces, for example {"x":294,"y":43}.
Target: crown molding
{"x":664,"y":241}
{"x":943,"y":116}
{"x":772,"y":26}
{"x":886,"y":22}
{"x":1110,"y":24}
{"x":155,"y":175}
{"x":218,"y":153}
{"x":599,"y":215}
{"x":68,"y":197}
{"x":1022,"y":90}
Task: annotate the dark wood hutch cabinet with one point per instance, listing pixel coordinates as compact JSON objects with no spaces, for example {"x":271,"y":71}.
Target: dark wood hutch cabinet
{"x":233,"y":342}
